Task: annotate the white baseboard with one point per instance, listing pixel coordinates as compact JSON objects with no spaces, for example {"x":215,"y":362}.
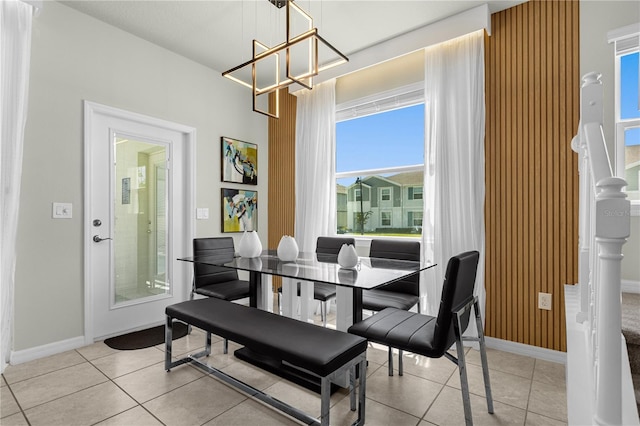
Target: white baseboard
{"x":526,"y":350}
{"x":629,"y":286}
{"x":19,"y":357}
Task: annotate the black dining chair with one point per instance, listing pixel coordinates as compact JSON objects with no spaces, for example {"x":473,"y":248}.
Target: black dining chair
{"x":215,"y":281}
{"x":324,"y":292}
{"x":433,"y":336}
{"x":403,"y":294}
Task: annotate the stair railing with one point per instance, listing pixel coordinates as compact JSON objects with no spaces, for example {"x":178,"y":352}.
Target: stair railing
{"x":604,"y":226}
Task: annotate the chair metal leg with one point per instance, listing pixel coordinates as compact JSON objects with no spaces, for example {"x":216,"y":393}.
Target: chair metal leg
{"x":462,"y":368}
{"x":168,"y":339}
{"x":190,"y":298}
{"x":225,"y":348}
{"x":483,"y":357}
{"x":399,"y":362}
{"x":390,"y":361}
{"x":323,"y":313}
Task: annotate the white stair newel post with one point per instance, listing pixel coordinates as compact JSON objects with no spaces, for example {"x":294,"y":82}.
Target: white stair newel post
{"x":612,"y":231}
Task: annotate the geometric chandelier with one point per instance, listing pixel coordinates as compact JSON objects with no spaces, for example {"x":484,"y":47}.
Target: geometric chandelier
{"x":301,"y":57}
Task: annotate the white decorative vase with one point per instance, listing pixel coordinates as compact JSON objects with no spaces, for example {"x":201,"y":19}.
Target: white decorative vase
{"x":287,"y":249}
{"x":347,"y":257}
{"x":250,"y":245}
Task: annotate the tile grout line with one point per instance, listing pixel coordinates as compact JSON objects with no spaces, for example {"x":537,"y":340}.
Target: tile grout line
{"x":16,"y":401}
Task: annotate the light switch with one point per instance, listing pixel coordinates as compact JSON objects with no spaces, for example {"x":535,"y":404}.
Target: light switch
{"x":202,"y":213}
{"x":62,"y":210}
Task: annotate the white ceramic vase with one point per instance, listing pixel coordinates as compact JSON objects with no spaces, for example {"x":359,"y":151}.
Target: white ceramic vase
{"x":287,"y":249}
{"x":250,"y":245}
{"x":347,"y":257}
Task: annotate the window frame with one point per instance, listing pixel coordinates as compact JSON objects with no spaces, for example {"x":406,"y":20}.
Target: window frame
{"x":411,"y":193}
{"x":413,"y":212}
{"x":401,"y":97}
{"x":388,"y":212}
{"x":623,"y":36}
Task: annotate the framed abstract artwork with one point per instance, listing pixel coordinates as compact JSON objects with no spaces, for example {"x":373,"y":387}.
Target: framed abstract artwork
{"x":239,"y":210}
{"x":239,"y":161}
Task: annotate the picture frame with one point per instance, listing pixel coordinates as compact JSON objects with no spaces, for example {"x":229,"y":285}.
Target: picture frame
{"x":239,"y":161}
{"x":239,"y":210}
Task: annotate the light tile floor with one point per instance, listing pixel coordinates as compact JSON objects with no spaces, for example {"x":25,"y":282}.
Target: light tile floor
{"x":96,"y":385}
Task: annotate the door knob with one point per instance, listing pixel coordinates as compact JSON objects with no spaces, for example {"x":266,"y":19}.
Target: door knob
{"x":97,"y":238}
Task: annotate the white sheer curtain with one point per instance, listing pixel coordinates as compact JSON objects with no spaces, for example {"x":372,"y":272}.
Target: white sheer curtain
{"x":15,"y":52}
{"x":454,"y":158}
{"x":315,"y":165}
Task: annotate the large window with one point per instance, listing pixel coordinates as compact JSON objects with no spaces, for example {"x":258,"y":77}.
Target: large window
{"x":628,"y":117}
{"x":379,"y":168}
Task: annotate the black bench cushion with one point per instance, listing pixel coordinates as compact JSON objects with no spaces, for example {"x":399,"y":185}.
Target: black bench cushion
{"x":400,"y":329}
{"x":316,"y":349}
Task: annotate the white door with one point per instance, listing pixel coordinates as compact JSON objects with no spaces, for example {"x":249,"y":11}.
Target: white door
{"x":138,"y":192}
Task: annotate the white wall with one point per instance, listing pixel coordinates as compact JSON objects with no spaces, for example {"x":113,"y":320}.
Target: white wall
{"x":597,"y":18}
{"x":75,"y":58}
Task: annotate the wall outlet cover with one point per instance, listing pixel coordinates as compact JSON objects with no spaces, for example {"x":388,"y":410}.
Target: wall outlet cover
{"x":544,"y":301}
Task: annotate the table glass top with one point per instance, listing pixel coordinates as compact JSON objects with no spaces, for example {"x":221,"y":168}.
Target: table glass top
{"x":369,"y":273}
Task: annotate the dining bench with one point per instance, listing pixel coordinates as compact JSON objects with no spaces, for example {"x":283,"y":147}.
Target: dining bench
{"x":321,"y":352}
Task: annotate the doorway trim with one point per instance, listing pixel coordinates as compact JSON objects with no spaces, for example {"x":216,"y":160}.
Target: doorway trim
{"x":91,"y":110}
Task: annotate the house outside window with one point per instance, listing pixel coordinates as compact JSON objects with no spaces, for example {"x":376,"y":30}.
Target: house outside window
{"x":627,"y":113}
{"x":379,"y":156}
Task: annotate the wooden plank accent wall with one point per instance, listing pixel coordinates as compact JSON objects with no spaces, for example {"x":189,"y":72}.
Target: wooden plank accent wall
{"x":531,"y":206}
{"x":282,"y":157}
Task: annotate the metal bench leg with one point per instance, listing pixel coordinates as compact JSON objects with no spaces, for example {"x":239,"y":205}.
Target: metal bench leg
{"x":325,"y":398}
{"x":399,"y":362}
{"x":207,"y":347}
{"x":390,"y":361}
{"x":362,"y":394}
{"x":225,"y":349}
{"x":352,"y":387}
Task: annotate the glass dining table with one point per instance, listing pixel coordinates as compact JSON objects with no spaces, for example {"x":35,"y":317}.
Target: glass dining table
{"x":369,"y":273}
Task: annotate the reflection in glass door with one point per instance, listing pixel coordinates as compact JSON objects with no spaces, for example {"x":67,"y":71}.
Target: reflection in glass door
{"x":140,"y":222}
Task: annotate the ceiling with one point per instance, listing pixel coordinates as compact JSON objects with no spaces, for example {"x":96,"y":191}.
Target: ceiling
{"x":218,"y":33}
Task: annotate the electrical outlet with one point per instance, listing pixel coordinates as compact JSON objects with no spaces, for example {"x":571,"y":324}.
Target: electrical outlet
{"x":544,"y":301}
